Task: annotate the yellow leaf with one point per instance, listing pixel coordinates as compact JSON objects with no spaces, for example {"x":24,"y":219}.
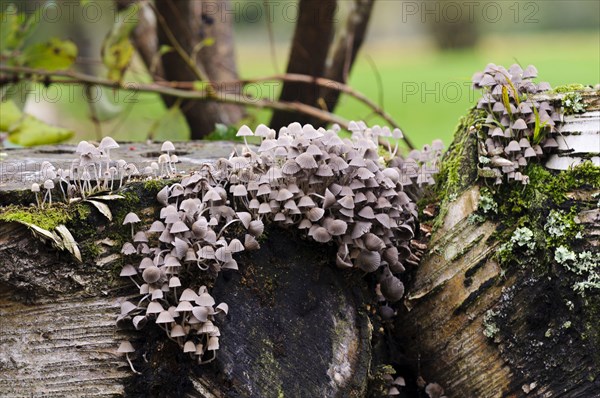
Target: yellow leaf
{"x":30,"y":131}
{"x":55,"y":54}
{"x":117,"y":50}
{"x":10,"y":115}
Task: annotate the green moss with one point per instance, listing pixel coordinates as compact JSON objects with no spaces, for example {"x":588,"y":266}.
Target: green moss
{"x":565,"y":88}
{"x":48,"y":218}
{"x":378,"y":383}
{"x":536,"y":208}
{"x":269,"y":372}
{"x":154,"y":185}
{"x":457,"y":171}
{"x":545,"y":188}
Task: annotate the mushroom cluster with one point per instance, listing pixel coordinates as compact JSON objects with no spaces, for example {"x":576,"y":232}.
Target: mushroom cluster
{"x":92,"y":172}
{"x":336,"y":190}
{"x":189,"y":238}
{"x":518,"y":129}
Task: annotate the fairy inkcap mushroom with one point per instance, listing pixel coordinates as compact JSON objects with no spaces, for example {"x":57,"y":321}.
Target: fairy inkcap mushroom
{"x":126,"y":348}
{"x":131,"y":218}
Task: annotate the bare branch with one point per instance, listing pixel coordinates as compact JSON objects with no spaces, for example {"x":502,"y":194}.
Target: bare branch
{"x":202,"y":96}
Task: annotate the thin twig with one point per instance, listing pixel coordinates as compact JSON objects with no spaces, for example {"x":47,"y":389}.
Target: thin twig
{"x":177,"y":46}
{"x":80,"y":78}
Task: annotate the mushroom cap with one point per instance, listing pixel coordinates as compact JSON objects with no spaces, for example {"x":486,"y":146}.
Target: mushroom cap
{"x":392,"y":288}
{"x":165,"y":317}
{"x":167,"y":146}
{"x":337,"y":227}
{"x":513,"y":146}
{"x":177,"y":331}
{"x":174,"y":282}
{"x":213,"y":343}
{"x":368,"y":261}
{"x":188,"y":295}
{"x":189,"y":346}
{"x":262,"y":131}
{"x":48,"y":184}
{"x":35,"y":187}
{"x":139,"y":321}
{"x":131,"y":218}
{"x":151,"y":274}
{"x":519,"y":124}
{"x":184,"y":306}
{"x":154,"y":307}
{"x":128,"y":270}
{"x":321,"y":235}
{"x":140,"y":236}
{"x":244,"y":131}
{"x":127,"y":307}
{"x":205,"y":300}
{"x":125,"y":347}
{"x":108,"y":143}
{"x":179,"y":227}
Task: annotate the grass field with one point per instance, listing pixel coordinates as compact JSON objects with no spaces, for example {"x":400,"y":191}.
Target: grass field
{"x":424,"y":90}
{"x":427,"y":91}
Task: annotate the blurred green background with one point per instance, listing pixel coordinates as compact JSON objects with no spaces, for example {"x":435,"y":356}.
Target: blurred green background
{"x":402,"y":64}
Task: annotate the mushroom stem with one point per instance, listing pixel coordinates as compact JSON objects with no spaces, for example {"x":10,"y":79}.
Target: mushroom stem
{"x":131,"y":365}
{"x":317,"y":195}
{"x":208,"y":360}
{"x":143,"y":298}
{"x":225,"y":226}
{"x":133,"y":280}
{"x":37,"y":199}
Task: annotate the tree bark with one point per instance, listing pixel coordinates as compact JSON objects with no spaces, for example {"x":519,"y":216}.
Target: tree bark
{"x":145,"y":39}
{"x":544,"y":337}
{"x":310,"y":46}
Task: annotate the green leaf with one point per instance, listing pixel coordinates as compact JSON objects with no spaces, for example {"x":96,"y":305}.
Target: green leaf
{"x":55,"y":54}
{"x":16,"y":27}
{"x":538,"y":130}
{"x":10,"y":115}
{"x":209,"y":41}
{"x":199,"y":85}
{"x":164,"y":49}
{"x":30,"y":131}
{"x":117,"y":50}
{"x":102,"y":208}
{"x":69,"y":242}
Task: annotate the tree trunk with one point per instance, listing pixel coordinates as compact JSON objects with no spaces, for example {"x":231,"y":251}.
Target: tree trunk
{"x":481,"y":328}
{"x":310,"y":46}
{"x":345,"y":52}
{"x":452,"y":24}
{"x":191,"y":22}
